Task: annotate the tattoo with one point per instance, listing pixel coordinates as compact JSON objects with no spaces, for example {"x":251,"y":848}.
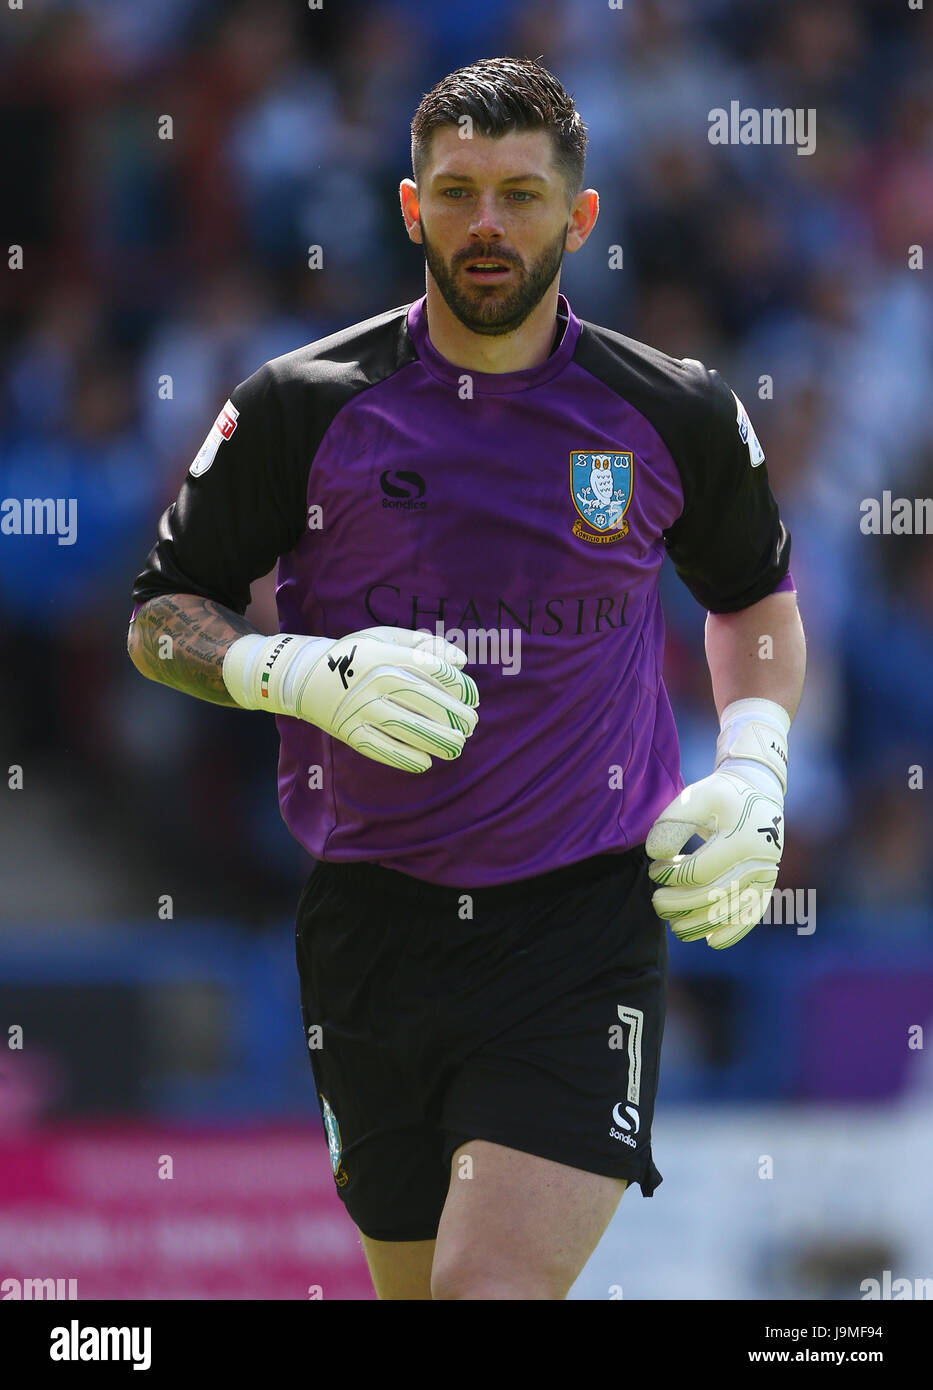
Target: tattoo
{"x":181,"y":640}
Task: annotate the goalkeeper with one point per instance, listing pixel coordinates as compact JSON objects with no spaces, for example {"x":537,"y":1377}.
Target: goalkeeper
{"x":482,"y":940}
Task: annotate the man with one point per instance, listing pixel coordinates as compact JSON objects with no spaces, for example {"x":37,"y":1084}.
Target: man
{"x":481,"y":951}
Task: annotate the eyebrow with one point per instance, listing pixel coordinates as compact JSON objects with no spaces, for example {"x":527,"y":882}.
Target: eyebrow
{"x":514,"y":178}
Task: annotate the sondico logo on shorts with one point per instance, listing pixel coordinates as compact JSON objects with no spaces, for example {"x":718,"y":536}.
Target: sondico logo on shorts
{"x":341,"y":1176}
{"x":625,"y":1113}
{"x":628,"y":1121}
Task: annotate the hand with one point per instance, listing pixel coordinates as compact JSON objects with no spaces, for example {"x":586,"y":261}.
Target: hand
{"x":396,"y":696}
{"x":721,"y":890}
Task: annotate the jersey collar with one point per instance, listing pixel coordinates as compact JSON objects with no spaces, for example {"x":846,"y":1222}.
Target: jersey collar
{"x":493,"y":383}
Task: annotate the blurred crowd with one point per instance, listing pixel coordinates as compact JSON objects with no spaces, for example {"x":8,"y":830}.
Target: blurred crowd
{"x":160,"y":272}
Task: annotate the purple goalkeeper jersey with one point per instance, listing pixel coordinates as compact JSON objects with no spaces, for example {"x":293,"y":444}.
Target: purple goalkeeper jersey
{"x":525,"y":515}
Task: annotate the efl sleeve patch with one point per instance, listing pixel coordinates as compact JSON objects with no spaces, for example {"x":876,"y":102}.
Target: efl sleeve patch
{"x":221,"y":429}
{"x":749,"y":438}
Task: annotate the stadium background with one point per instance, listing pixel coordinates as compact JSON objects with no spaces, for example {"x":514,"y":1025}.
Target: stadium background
{"x":147,"y":1037}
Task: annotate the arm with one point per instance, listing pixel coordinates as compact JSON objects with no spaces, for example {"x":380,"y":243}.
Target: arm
{"x":395,"y":696}
{"x":721,"y":890}
{"x":181,"y":640}
{"x":732,"y":550}
{"x":742,"y":666}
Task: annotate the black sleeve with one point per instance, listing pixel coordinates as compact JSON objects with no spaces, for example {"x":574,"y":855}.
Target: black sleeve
{"x":729,"y":545}
{"x":241,"y":506}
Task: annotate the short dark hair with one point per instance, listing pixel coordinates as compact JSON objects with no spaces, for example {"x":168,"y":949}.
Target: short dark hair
{"x":501,"y":95}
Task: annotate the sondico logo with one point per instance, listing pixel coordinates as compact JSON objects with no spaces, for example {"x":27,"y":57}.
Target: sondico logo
{"x":626,"y":1120}
{"x":403,"y":490}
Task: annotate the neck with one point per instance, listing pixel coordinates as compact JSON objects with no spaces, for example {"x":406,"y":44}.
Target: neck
{"x":526,"y":346}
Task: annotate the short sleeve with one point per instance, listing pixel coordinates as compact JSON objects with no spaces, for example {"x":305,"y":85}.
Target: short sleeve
{"x":729,"y":545}
{"x":241,"y":506}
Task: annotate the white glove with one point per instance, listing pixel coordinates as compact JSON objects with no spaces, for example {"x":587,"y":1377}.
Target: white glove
{"x":396,"y":696}
{"x":720,"y":891}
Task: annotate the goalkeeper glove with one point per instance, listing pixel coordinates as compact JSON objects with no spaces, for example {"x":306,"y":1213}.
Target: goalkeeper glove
{"x":396,"y":696}
{"x":720,"y":891}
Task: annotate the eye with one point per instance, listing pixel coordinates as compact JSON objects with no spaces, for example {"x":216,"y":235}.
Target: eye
{"x":447,"y":192}
{"x":523,"y":194}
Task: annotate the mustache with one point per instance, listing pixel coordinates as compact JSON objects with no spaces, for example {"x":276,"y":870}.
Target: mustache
{"x":477,"y":253}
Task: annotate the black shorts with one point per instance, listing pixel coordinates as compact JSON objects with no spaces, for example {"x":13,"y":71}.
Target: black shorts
{"x":529,"y":1014}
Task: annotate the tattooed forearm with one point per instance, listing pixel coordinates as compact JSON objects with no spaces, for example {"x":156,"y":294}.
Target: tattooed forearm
{"x":181,"y":640}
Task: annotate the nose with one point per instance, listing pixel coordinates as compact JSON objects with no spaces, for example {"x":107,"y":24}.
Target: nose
{"x":485,"y":224}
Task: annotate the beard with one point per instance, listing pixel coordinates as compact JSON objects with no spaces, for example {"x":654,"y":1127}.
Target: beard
{"x":489,"y":309}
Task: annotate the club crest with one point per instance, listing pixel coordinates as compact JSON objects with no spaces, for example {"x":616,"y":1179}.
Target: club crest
{"x":333,"y":1143}
{"x":601,"y":489}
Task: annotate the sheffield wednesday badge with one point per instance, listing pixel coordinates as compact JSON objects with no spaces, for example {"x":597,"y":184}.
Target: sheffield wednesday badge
{"x":601,"y":488}
{"x":332,"y":1129}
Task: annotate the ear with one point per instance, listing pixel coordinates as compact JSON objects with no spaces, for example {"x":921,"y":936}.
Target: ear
{"x":584,"y":211}
{"x":408,"y":197}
